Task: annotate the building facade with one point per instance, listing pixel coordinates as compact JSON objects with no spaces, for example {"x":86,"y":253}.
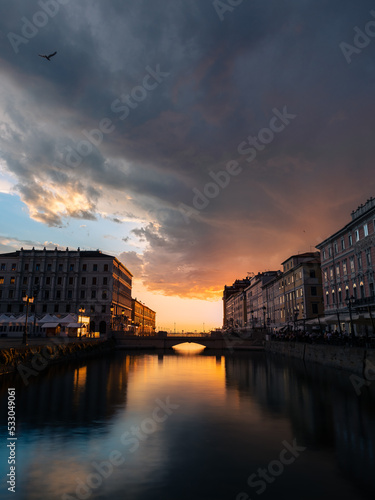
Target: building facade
{"x":143,"y":318}
{"x":229,"y":290}
{"x":301,"y":294}
{"x":71,"y":281}
{"x":348,"y":258}
{"x":258,"y":301}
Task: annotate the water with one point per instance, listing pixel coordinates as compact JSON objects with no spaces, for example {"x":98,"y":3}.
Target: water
{"x":179,"y":426}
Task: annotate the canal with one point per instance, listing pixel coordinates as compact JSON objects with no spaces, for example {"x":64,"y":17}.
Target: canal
{"x":177,"y":425}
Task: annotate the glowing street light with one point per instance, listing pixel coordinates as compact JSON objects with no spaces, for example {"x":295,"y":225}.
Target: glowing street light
{"x":26,"y":299}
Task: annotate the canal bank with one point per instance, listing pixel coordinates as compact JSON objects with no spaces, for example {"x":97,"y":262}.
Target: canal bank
{"x":35,"y":358}
{"x":358,"y":360}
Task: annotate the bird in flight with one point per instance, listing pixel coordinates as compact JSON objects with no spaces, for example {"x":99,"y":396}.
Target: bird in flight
{"x":47,"y":57}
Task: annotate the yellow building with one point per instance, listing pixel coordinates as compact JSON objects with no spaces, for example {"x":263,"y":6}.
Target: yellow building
{"x":143,"y":318}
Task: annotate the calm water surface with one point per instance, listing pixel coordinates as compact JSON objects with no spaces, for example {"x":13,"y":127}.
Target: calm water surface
{"x":179,"y":426}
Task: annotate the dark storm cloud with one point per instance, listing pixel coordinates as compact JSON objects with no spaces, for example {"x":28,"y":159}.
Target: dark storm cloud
{"x":221,"y":78}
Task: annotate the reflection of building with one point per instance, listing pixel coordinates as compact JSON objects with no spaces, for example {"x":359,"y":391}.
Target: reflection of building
{"x":347,"y":259}
{"x":143,"y":318}
{"x":65,"y":281}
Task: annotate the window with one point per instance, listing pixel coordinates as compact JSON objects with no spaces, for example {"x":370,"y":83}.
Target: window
{"x":60,"y":267}
{"x":105,"y":281}
{"x":83,"y":281}
{"x":327,"y":298}
{"x":362,"y":290}
{"x":336,"y":247}
{"x":324,"y":254}
{"x":104,"y":295}
{"x":67,"y":308}
{"x":93,"y":294}
{"x":14,"y":267}
{"x":24,"y":281}
{"x":350,"y":238}
{"x":58,"y":294}
{"x":37,"y":267}
{"x":1,"y":294}
{"x":312,"y":274}
{"x":71,"y":267}
{"x":9,"y":308}
{"x":325,"y":275}
{"x":48,"y":280}
{"x":359,"y":258}
{"x":44,"y":308}
{"x":92,"y":309}
{"x":1,"y":280}
{"x":342,"y":244}
{"x":368,"y":257}
{"x":344,"y":268}
{"x":329,"y":252}
{"x":46,"y":294}
{"x":10,"y":294}
{"x":95,"y":267}
{"x":59,"y":280}
{"x":338,"y":271}
{"x":82,"y":294}
{"x":313,"y":291}
{"x":352,"y":267}
{"x":26,"y":267}
{"x":70,"y":294}
{"x":356,"y":235}
{"x":70,"y":281}
{"x":56,"y":308}
{"x":23,"y":293}
{"x":49,"y":267}
{"x":365,"y":230}
{"x":84,"y":267}
{"x":105,"y":267}
{"x":3,"y":267}
{"x":94,"y":281}
{"x":104,"y":308}
{"x":315,"y":308}
{"x":331,"y":272}
{"x":340,"y":296}
{"x":355,"y":291}
{"x":371,"y":286}
{"x":36,"y":281}
{"x":12,"y":280}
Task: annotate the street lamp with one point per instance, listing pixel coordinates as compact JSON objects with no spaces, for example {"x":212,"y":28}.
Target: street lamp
{"x":295,"y":316}
{"x":349,"y":301}
{"x":81,"y":311}
{"x":26,"y":299}
{"x":264,"y":316}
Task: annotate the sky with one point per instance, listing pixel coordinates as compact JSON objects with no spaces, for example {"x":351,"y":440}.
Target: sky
{"x":196,"y":140}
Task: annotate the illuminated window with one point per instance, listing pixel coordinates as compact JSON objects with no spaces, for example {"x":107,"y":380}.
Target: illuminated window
{"x":1,"y":280}
{"x":12,"y":280}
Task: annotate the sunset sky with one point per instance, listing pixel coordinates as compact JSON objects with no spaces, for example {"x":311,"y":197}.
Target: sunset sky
{"x":196,"y":140}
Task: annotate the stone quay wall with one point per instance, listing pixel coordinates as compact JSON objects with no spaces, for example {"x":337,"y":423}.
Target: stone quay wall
{"x":354,"y":359}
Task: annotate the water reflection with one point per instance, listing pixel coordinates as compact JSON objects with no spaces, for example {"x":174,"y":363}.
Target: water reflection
{"x":191,"y":427}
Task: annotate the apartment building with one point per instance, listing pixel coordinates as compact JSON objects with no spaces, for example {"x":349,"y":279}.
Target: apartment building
{"x":143,"y":318}
{"x":69,"y":281}
{"x":348,"y":258}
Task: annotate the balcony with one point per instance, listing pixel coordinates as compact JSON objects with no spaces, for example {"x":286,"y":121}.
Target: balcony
{"x":365,"y":302}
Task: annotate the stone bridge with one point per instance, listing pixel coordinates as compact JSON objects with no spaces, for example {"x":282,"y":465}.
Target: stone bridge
{"x":167,"y":342}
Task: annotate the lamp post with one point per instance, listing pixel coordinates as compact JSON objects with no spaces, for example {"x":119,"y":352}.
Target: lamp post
{"x":26,"y":299}
{"x":295,"y":316}
{"x":264,"y":316}
{"x":349,"y":301}
{"x":81,"y":311}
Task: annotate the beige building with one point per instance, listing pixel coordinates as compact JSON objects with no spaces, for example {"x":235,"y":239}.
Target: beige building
{"x":71,"y":281}
{"x":301,"y":295}
{"x":143,"y":318}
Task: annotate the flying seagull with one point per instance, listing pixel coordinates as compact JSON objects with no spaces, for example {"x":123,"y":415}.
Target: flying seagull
{"x":47,"y":57}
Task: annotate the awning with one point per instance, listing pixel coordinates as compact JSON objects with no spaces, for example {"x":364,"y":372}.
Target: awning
{"x":76,"y":325}
{"x":50,"y":325}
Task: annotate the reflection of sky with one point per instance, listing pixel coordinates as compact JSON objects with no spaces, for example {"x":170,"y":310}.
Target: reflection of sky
{"x":233,"y":414}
